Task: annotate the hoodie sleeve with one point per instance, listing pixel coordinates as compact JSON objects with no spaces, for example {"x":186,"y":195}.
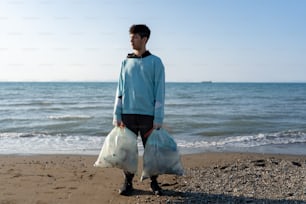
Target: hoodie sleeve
{"x":159,"y":92}
{"x":118,"y":99}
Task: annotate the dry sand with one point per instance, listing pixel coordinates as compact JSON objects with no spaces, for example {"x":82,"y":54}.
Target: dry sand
{"x":210,"y":178}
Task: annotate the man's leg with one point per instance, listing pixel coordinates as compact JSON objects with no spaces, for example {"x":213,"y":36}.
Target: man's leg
{"x":129,"y":120}
{"x":127,"y":187}
{"x":157,"y":190}
{"x":145,"y":126}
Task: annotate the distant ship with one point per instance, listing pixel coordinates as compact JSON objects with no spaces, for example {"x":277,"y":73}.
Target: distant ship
{"x":206,"y":82}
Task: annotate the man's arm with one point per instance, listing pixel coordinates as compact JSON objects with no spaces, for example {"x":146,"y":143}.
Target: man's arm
{"x":159,"y":94}
{"x":117,"y":121}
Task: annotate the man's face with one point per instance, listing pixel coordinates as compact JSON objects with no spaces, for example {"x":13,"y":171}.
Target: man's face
{"x":137,"y":42}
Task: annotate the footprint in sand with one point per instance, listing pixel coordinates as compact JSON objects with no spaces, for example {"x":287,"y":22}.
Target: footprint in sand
{"x":17,"y":175}
{"x":73,"y":188}
{"x":59,"y":187}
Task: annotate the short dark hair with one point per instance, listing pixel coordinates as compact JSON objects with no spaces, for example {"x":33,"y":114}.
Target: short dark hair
{"x":140,"y":29}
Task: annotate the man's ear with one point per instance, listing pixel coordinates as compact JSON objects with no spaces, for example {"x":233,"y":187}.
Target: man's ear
{"x":145,"y":39}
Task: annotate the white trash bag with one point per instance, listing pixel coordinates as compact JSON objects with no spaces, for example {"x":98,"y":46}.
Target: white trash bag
{"x":119,"y":150}
{"x":161,"y":155}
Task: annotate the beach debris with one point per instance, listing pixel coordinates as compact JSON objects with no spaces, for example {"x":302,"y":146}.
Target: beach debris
{"x":266,"y":180}
{"x":119,"y":150}
{"x":161,"y":155}
{"x":296,"y":163}
{"x":259,"y":162}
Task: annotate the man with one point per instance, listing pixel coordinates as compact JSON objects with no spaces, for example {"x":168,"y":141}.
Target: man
{"x":140,"y":96}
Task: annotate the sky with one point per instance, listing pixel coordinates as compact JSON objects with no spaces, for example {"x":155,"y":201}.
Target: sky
{"x":197,"y":40}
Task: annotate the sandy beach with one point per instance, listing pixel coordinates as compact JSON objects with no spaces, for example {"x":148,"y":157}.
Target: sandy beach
{"x":209,"y":178}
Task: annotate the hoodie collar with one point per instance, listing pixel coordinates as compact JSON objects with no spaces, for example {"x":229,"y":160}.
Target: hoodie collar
{"x":132,"y":55}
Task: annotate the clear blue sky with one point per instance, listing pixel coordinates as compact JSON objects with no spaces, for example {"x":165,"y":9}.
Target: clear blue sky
{"x":198,"y":40}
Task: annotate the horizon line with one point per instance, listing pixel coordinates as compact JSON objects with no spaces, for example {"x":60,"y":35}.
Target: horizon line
{"x":113,"y":81}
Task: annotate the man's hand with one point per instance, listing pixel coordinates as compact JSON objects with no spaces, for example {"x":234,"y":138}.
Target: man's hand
{"x":157,"y":126}
{"x":118,"y":123}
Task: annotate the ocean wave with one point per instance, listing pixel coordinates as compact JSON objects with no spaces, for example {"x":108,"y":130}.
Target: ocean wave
{"x":44,"y":142}
{"x":17,"y":135}
{"x":261,"y":139}
{"x":30,"y":103}
{"x":70,"y":117}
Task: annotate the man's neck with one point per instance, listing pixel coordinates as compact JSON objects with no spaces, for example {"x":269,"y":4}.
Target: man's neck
{"x":140,"y":52}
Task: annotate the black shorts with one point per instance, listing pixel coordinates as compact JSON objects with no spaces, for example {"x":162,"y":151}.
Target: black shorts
{"x":139,"y":124}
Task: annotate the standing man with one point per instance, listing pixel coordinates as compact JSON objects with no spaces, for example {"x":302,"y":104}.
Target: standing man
{"x":140,"y":96}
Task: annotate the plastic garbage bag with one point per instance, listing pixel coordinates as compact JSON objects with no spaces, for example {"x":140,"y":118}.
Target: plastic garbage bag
{"x":161,"y":155}
{"x":119,"y":150}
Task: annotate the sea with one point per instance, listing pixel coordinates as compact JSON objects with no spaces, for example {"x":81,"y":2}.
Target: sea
{"x":75,"y":117}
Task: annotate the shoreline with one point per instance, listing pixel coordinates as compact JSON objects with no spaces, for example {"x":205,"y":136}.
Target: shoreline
{"x":209,"y":177}
{"x":185,"y":154}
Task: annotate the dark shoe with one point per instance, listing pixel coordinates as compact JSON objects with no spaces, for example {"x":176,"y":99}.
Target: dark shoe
{"x":155,"y":188}
{"x":127,"y":187}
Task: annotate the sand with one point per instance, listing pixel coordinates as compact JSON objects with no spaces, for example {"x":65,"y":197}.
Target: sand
{"x":210,"y":177}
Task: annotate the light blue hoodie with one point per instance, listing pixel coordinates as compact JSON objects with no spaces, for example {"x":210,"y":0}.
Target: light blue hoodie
{"x":141,"y":87}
